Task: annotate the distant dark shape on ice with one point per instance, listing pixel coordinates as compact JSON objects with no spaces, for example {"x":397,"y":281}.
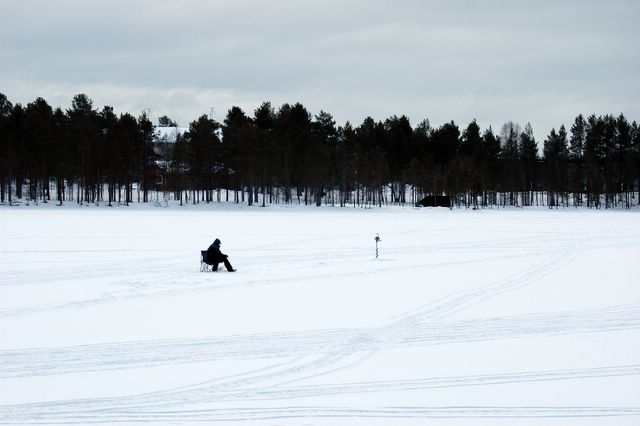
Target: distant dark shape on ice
{"x":435,"y":201}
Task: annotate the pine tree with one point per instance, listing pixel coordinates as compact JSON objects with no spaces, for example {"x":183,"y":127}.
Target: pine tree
{"x":509,"y":137}
{"x":109,"y":150}
{"x":624,"y":159}
{"x":145,"y":155}
{"x":576,"y":158}
{"x":322,"y":161}
{"x":165,"y":121}
{"x":8,"y":156}
{"x":62,"y":155}
{"x":127,"y":137}
{"x":240,"y":150}
{"x":491,"y":167}
{"x":205,"y":153}
{"x":264,"y":120}
{"x":84,"y":133}
{"x":472,"y":158}
{"x":635,"y":132}
{"x":529,"y":164}
{"x":556,"y":154}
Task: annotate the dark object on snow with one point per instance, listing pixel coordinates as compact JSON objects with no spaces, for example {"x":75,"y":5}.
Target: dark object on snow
{"x":213,"y":257}
{"x":435,"y":201}
{"x":204,"y":265}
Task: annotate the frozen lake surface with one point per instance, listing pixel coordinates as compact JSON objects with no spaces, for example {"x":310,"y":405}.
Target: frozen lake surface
{"x":467,"y":317}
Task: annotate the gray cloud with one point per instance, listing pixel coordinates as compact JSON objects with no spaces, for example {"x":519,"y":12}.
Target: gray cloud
{"x":495,"y":60}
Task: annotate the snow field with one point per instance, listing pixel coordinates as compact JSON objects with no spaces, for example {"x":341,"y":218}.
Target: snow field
{"x":468,"y":317}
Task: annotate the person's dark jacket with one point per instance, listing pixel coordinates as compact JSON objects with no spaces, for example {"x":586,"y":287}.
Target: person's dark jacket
{"x":214,"y":254}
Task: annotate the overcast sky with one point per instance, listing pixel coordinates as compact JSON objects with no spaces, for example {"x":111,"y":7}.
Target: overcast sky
{"x":538,"y":61}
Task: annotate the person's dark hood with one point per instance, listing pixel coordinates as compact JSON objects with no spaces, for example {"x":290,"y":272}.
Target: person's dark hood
{"x":217,"y":243}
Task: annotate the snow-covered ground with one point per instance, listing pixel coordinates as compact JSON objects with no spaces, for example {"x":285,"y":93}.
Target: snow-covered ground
{"x":467,"y":318}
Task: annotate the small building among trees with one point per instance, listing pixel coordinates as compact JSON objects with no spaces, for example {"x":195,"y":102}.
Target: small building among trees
{"x":164,"y":139}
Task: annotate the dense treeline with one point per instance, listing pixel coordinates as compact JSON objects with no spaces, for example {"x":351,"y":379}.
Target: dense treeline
{"x":97,"y":155}
{"x":289,"y":155}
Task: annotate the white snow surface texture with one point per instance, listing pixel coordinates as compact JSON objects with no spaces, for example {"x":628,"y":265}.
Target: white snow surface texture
{"x":467,"y":317}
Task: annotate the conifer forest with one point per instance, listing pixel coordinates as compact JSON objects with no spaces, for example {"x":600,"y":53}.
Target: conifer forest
{"x":288,"y":155}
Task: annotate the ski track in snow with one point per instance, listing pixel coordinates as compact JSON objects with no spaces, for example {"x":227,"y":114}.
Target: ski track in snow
{"x":119,"y":355}
{"x":169,"y":414}
{"x":170,"y":287}
{"x":338,"y":349}
{"x":309,"y":354}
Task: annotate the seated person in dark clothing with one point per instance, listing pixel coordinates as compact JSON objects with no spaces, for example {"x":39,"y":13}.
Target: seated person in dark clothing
{"x":215,"y":256}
